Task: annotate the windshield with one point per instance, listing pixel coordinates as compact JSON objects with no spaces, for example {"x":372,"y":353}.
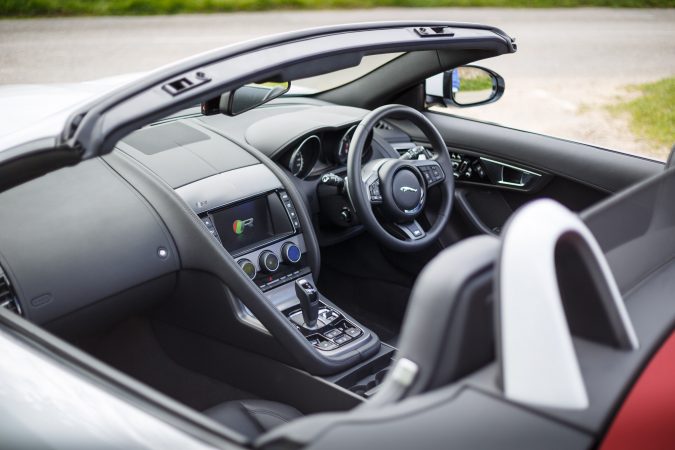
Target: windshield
{"x":327,"y":81}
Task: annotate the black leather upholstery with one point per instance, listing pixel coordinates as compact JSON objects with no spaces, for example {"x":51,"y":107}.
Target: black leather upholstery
{"x":252,"y":417}
{"x":448,"y":329}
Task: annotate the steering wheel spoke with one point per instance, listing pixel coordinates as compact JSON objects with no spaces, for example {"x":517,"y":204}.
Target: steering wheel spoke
{"x":431,"y":170}
{"x":412,"y":230}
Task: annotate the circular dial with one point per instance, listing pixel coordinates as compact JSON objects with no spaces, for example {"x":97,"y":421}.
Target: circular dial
{"x":342,"y":152}
{"x":291,"y":253}
{"x":269,"y":262}
{"x":248,"y":267}
{"x":297,"y":163}
{"x":304,"y":157}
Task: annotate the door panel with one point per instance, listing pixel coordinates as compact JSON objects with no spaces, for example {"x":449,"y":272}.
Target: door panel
{"x":602,"y":169}
{"x":521,"y":166}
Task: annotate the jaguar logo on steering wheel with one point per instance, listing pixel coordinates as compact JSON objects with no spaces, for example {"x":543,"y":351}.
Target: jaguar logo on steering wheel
{"x":407,"y":189}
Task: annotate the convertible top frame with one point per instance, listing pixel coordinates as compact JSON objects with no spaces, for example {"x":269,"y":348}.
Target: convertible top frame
{"x":98,"y":126}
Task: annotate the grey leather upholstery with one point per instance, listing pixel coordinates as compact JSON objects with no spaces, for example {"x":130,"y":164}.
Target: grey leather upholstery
{"x":252,"y":417}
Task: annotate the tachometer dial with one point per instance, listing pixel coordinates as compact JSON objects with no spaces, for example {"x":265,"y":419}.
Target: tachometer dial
{"x":304,"y":157}
{"x":297,"y":163}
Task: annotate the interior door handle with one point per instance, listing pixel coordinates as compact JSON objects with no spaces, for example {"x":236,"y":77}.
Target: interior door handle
{"x":507,"y":174}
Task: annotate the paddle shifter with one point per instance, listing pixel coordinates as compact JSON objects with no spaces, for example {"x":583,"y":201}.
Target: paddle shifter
{"x":309,"y":301}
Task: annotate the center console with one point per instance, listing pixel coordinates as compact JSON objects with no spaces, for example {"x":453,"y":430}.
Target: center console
{"x":256,"y":221}
{"x":297,"y":341}
{"x":263,"y":234}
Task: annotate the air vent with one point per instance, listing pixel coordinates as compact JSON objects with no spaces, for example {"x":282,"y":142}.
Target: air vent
{"x":8,"y":298}
{"x":382,"y":125}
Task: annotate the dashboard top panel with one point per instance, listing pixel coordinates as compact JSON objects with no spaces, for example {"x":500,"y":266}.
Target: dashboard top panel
{"x":181,"y":152}
{"x":273,"y":134}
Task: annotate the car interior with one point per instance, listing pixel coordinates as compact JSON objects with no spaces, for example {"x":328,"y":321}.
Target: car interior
{"x":365,"y":256}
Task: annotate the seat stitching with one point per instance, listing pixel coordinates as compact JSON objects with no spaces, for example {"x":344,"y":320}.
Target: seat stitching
{"x":269,"y":413}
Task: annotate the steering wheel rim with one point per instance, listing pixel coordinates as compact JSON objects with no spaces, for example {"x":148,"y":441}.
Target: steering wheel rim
{"x":395,"y":174}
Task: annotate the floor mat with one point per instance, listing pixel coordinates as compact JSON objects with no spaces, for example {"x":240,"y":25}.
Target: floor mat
{"x":369,"y":301}
{"x":132,"y":348}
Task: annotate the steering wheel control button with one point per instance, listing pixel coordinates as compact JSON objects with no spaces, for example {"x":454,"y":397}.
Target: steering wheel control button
{"x":432,"y":173}
{"x":248,"y":267}
{"x":414,"y":229}
{"x":375,"y":194}
{"x":269,"y":262}
{"x":291,"y":253}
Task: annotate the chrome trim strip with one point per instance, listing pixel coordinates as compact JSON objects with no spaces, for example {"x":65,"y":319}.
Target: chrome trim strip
{"x":510,"y":166}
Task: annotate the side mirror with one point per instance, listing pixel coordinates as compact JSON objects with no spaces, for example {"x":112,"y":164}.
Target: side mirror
{"x":245,"y":98}
{"x":465,"y":86}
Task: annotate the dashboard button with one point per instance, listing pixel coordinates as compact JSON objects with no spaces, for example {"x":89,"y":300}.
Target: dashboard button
{"x":269,"y":262}
{"x":326,"y":345}
{"x":332,"y":333}
{"x":248,"y":267}
{"x":342,"y":339}
{"x":291,"y":253}
{"x":353,"y":332}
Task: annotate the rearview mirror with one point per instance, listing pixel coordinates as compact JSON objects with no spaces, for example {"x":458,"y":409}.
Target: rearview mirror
{"x":465,"y":86}
{"x":245,"y":98}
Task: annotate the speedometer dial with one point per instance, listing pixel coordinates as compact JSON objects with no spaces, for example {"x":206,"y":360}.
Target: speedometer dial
{"x":342,"y":152}
{"x":343,"y":146}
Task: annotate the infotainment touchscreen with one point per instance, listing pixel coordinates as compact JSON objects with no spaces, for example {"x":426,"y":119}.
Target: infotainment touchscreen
{"x":253,"y":221}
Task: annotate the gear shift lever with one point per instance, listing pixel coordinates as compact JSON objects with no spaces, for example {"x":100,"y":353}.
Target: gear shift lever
{"x":309,"y":301}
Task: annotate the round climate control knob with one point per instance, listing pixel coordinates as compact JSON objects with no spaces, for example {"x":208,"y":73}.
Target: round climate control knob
{"x":248,"y":267}
{"x":291,"y":253}
{"x":269,"y":262}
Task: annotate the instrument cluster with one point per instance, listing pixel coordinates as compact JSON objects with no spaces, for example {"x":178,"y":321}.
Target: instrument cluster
{"x":322,"y":151}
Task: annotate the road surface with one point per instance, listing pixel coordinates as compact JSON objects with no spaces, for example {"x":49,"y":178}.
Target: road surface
{"x":570,"y":63}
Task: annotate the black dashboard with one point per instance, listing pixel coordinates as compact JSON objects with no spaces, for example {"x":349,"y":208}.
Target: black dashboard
{"x":102,"y":235}
{"x":214,"y":165}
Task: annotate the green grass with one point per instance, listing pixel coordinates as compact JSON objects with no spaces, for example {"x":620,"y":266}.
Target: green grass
{"x":32,"y":8}
{"x":652,"y":114}
{"x":476,"y":84}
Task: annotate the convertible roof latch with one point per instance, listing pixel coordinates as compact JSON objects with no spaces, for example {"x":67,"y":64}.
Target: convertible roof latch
{"x":434,"y":31}
{"x":186,"y":82}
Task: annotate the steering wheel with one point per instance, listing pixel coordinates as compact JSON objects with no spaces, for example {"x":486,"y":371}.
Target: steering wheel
{"x":397,"y":188}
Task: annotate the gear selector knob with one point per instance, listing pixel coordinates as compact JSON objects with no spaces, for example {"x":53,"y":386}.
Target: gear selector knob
{"x":309,"y":301}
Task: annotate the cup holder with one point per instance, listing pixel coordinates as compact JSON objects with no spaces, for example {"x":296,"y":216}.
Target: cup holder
{"x":369,"y":386}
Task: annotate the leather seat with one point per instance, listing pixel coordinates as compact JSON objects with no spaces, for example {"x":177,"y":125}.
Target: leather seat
{"x":252,"y":417}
